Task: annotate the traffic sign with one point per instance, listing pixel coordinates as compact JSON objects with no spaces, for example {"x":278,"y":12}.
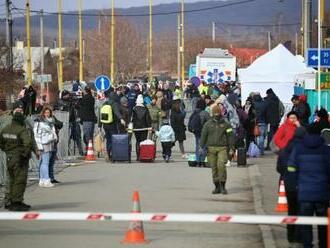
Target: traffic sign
{"x":195,"y":81}
{"x":325,"y":80}
{"x":102,"y":83}
{"x":44,"y":78}
{"x":312,"y":57}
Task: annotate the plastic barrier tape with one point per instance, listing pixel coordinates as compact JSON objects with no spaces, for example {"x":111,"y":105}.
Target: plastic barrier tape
{"x":161,"y":217}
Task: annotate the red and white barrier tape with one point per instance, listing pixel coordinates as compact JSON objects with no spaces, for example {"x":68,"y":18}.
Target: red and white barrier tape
{"x":154,"y":217}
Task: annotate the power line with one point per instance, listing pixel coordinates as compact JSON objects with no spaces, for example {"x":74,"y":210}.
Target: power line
{"x":260,"y":25}
{"x":142,"y":15}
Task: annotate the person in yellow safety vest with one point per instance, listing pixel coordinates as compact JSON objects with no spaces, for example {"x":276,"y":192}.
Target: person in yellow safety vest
{"x":178,"y":91}
{"x":203,"y":88}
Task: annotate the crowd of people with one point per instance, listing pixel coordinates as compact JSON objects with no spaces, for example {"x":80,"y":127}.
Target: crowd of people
{"x":219,"y":121}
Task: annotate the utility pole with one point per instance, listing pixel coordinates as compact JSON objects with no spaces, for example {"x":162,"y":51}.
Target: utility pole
{"x":9,"y":34}
{"x":99,"y":23}
{"x":182,"y":42}
{"x":296,"y":42}
{"x":302,"y":30}
{"x":269,"y":41}
{"x":28,"y":41}
{"x":213,"y":32}
{"x":60,"y":59}
{"x":179,"y":52}
{"x":150,"y":42}
{"x":42,"y":61}
{"x":319,"y":46}
{"x":307,"y":24}
{"x":81,"y":69}
{"x":322,"y":9}
{"x":112,"y":60}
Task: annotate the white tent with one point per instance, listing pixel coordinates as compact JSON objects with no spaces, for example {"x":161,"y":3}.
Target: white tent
{"x":278,"y":69}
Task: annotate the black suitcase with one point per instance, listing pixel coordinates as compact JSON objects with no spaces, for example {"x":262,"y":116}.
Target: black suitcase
{"x":241,"y":156}
{"x":121,"y":148}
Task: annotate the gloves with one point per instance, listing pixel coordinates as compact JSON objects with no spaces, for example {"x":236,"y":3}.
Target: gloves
{"x":122,"y":122}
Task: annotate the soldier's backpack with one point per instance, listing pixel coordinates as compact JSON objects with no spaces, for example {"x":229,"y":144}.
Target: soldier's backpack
{"x":195,"y":123}
{"x":106,"y":115}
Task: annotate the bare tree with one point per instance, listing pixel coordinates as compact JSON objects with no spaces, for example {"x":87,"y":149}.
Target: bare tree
{"x":130,"y":51}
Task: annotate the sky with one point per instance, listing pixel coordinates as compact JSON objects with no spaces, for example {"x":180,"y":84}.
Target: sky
{"x":51,"y":5}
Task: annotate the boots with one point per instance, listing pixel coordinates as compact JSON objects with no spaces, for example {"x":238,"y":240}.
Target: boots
{"x":19,"y":206}
{"x":223,"y":188}
{"x":217,"y":189}
{"x":137,"y":148}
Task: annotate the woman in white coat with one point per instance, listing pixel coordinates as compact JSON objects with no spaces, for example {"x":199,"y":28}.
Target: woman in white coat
{"x":45,"y":136}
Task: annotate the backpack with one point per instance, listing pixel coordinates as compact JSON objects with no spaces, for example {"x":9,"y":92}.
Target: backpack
{"x":166,"y":104}
{"x":195,"y":123}
{"x":281,"y":108}
{"x":106,"y":115}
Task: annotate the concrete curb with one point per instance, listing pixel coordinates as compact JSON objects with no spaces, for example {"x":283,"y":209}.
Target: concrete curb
{"x":256,"y":184}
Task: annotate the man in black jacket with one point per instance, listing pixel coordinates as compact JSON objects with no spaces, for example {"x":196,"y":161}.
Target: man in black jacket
{"x":273,"y":115}
{"x":87,"y":115}
{"x":111,"y":127}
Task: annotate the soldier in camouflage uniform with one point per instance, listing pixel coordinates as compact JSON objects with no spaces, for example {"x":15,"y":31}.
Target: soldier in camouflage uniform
{"x":217,"y":136}
{"x":17,"y":143}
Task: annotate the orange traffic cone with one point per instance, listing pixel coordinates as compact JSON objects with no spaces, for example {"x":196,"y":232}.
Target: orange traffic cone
{"x":282,"y":204}
{"x":90,"y":152}
{"x":135,"y":233}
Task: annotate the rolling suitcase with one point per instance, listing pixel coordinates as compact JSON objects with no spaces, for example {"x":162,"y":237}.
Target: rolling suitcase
{"x":241,"y":156}
{"x":147,"y":151}
{"x":121,"y":148}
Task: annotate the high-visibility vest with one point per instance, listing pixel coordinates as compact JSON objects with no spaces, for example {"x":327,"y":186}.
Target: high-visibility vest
{"x":106,"y":114}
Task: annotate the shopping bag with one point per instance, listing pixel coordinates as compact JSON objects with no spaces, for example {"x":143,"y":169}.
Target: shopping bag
{"x":98,"y":143}
{"x":253,"y":151}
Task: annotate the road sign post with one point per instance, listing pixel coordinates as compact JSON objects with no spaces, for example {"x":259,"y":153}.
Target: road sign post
{"x":102,"y":83}
{"x":312,"y":57}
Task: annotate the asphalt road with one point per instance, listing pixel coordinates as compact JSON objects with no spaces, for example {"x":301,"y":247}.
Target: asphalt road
{"x":104,"y":187}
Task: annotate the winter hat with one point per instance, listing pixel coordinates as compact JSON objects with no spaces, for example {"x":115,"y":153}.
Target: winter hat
{"x":201,"y":104}
{"x":123,"y":100}
{"x":216,"y":110}
{"x":165,"y":121}
{"x":303,"y":98}
{"x":322,"y":113}
{"x":139,"y":100}
{"x":269,"y":91}
{"x":222,"y":98}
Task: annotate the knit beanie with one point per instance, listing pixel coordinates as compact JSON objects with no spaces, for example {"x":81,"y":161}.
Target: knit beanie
{"x":139,"y":100}
{"x":123,"y":100}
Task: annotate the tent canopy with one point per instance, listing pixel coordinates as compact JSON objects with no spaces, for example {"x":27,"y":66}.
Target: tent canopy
{"x":277,"y":66}
{"x":278,"y":69}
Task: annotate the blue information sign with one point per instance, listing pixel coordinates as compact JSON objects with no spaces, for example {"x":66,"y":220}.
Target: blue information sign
{"x":102,"y":83}
{"x":312,"y":57}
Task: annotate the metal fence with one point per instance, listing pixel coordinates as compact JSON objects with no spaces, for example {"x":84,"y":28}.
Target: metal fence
{"x":63,"y":147}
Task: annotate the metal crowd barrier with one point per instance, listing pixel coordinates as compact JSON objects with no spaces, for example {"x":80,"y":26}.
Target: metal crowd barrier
{"x":63,"y":147}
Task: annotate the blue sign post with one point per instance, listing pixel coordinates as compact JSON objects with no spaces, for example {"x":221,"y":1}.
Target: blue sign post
{"x":312,"y":57}
{"x":102,"y":83}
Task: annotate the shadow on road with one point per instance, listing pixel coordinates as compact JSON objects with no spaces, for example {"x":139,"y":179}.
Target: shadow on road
{"x":56,"y":205}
